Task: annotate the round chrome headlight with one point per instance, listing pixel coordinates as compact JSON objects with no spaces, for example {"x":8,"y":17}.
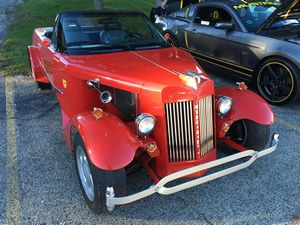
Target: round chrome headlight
{"x":145,"y":123}
{"x":224,"y":105}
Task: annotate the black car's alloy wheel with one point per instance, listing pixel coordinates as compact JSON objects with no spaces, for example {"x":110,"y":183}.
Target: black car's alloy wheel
{"x":277,"y":81}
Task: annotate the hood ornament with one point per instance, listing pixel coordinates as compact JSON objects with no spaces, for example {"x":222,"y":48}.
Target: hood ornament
{"x":192,"y":78}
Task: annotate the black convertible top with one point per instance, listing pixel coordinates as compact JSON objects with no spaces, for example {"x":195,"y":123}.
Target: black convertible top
{"x":105,"y":11}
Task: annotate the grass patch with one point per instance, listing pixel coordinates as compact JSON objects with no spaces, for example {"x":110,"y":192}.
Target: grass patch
{"x":41,"y":13}
{"x":140,"y":5}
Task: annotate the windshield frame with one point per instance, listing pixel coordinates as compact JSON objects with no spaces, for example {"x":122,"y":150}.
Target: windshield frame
{"x":116,"y":48}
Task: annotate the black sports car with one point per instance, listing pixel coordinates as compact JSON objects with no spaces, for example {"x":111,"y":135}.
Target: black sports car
{"x":257,"y":40}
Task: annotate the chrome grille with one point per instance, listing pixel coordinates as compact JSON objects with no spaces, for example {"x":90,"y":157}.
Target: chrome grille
{"x":206,"y":125}
{"x":180,"y":128}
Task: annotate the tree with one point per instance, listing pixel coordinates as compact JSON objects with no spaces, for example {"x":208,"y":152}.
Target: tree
{"x":98,"y":4}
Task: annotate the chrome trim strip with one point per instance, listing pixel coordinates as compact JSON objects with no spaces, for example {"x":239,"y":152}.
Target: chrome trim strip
{"x":112,"y":201}
{"x":56,"y":89}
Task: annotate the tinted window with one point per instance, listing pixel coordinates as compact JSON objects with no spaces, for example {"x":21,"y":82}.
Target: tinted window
{"x":254,"y":15}
{"x":209,"y":16}
{"x":181,"y":13}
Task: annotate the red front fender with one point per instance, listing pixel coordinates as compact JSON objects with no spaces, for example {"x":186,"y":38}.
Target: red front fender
{"x":110,"y":144}
{"x":246,"y":105}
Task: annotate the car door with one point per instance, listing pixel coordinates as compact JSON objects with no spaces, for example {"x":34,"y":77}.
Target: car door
{"x":47,"y":53}
{"x":219,"y":47}
{"x":50,"y":58}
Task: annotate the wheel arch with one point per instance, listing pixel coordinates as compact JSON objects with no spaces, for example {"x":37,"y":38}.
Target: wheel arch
{"x":240,"y":109}
{"x":266,"y":58}
{"x":99,"y":138}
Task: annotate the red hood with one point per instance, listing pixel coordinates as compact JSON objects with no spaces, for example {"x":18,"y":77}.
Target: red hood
{"x":150,"y":69}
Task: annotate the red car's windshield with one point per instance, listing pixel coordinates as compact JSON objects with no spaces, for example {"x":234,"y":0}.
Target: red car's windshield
{"x":92,"y":32}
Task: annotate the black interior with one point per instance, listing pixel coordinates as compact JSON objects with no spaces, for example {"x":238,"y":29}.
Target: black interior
{"x":212,"y":15}
{"x":108,"y":31}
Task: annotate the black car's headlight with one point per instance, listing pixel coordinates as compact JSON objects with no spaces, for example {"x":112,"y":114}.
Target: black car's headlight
{"x":224,"y":105}
{"x":145,"y":123}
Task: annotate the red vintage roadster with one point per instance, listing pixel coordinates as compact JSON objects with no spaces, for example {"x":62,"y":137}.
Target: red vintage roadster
{"x":126,"y":95}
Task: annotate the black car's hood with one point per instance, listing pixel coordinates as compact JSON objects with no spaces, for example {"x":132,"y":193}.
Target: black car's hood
{"x":286,"y":9}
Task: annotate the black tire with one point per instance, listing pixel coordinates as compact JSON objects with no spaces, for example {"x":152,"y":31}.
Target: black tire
{"x":249,"y":134}
{"x":43,"y":86}
{"x":101,"y":180}
{"x":278,"y":81}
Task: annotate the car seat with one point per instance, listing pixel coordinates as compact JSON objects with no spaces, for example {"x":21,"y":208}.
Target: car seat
{"x":112,"y":33}
{"x":73,"y":32}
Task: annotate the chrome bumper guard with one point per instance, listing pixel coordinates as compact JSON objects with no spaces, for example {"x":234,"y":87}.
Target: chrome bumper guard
{"x":112,"y":201}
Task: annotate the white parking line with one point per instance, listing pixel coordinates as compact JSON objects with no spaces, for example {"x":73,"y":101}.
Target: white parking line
{"x":12,"y":183}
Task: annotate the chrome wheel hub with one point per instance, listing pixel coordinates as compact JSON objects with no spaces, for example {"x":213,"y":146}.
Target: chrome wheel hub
{"x":85,"y":173}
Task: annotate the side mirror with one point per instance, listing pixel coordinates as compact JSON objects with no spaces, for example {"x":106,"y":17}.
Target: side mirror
{"x":46,"y":42}
{"x":167,"y":37}
{"x":224,"y":26}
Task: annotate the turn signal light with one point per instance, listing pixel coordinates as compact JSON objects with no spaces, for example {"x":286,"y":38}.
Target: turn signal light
{"x":98,"y":113}
{"x":242,"y":86}
{"x":226,"y":127}
{"x":151,"y":147}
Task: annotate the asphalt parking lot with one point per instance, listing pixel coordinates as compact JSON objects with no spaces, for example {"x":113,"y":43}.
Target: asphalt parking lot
{"x":39,"y":185}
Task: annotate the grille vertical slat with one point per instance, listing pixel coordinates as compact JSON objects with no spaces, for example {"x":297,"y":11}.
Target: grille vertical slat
{"x":175,"y":131}
{"x":179,"y":120}
{"x":180,"y":129}
{"x":185,"y":130}
{"x":206,"y":125}
{"x":170,"y":128}
{"x":192,"y":137}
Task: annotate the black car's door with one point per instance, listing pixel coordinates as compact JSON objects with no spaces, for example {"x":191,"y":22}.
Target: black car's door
{"x":219,"y":47}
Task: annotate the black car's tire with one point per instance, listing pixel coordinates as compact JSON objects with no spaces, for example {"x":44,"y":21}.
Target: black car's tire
{"x":278,"y":81}
{"x":94,"y":186}
{"x":43,"y":86}
{"x":249,"y":134}
{"x":172,"y":40}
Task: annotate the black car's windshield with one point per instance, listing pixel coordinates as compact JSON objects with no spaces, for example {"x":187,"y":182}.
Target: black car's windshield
{"x":89,"y":33}
{"x":255,"y":14}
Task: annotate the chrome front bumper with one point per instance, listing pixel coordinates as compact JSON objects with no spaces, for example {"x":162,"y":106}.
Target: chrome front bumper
{"x":112,"y":201}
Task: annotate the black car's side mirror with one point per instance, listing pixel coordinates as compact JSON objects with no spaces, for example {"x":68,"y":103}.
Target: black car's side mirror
{"x":224,"y":26}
